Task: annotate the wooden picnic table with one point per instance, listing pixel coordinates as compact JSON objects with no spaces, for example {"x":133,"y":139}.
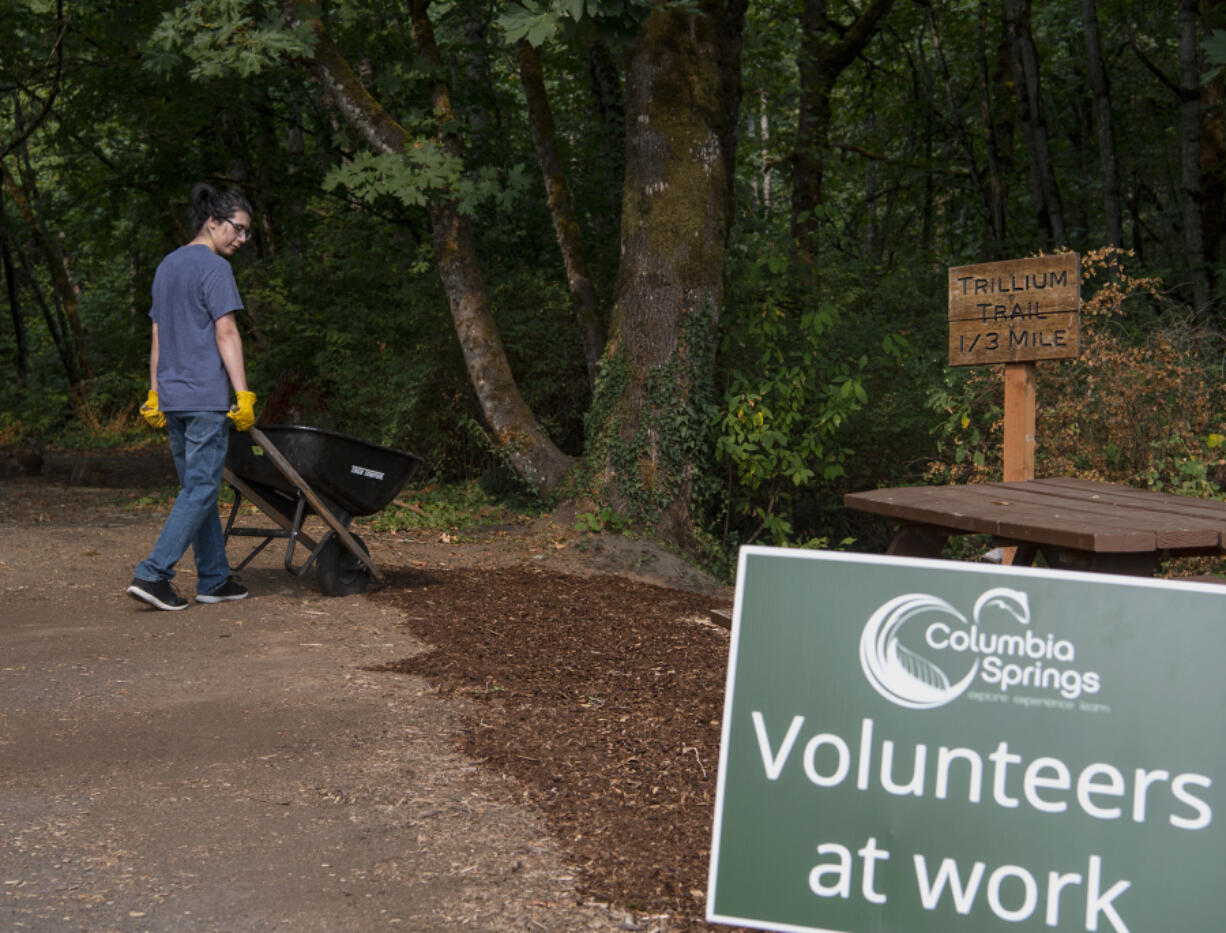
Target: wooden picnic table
{"x":1075,"y":524}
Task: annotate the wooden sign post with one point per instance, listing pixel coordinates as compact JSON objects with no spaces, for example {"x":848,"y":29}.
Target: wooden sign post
{"x":1016,"y":312}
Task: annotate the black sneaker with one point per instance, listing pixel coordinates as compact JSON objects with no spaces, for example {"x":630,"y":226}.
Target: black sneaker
{"x":231,"y":589}
{"x":159,"y":594}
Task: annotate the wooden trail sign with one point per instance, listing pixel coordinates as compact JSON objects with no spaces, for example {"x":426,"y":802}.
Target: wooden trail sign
{"x":1018,"y":310}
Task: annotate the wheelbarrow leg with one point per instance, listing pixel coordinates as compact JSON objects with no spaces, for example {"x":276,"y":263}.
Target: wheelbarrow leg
{"x":278,"y":515}
{"x":294,"y":531}
{"x":238,"y":500}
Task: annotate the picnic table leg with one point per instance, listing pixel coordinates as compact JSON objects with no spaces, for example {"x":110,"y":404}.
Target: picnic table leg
{"x":1018,"y":553}
{"x":918,"y":541}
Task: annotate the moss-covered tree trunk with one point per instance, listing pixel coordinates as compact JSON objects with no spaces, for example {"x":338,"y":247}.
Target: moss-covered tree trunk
{"x":683,"y":91}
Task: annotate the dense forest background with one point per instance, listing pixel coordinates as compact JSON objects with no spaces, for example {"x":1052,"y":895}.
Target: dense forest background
{"x":684,"y":260}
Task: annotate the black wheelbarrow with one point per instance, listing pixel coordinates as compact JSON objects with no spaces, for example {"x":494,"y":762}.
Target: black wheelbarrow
{"x":291,"y":472}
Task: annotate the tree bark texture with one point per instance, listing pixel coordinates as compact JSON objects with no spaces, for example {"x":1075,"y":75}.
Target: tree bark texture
{"x":995,"y":89}
{"x":683,"y":91}
{"x":827,"y":48}
{"x":57,"y":327}
{"x":20,"y":341}
{"x":1100,"y":86}
{"x":534,"y":456}
{"x":73,"y":351}
{"x":610,"y":110}
{"x":993,"y":213}
{"x":561,"y":208}
{"x":1190,"y":154}
{"x":1034,"y":121}
{"x":1213,"y":154}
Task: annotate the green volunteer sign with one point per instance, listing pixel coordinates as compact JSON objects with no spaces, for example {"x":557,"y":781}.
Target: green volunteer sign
{"x":932,"y":747}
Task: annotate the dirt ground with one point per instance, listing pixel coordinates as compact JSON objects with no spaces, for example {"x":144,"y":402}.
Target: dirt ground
{"x":520,"y":732}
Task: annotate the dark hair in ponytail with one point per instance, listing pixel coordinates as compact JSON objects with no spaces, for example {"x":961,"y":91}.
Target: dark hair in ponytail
{"x":208,"y":202}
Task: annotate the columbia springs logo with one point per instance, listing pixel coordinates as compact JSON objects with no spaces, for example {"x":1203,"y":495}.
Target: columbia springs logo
{"x":919,"y":652}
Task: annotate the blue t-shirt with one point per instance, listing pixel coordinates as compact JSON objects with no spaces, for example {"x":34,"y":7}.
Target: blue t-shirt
{"x":192,"y":288}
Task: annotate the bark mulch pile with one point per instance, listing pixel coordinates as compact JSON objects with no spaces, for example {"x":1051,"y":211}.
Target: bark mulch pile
{"x":602,"y":697}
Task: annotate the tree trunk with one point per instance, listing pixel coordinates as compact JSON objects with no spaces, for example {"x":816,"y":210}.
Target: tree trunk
{"x":56,"y":326}
{"x":992,"y":209}
{"x":999,"y":131}
{"x":683,"y":90}
{"x":565,"y":224}
{"x":1100,"y":86}
{"x":61,"y":281}
{"x":1190,"y":154}
{"x":1034,"y":122}
{"x":470,"y":61}
{"x":20,"y":341}
{"x":610,"y":108}
{"x":764,"y":136}
{"x":1213,"y":156}
{"x":999,"y":116}
{"x":535,"y":457}
{"x":826,"y":50}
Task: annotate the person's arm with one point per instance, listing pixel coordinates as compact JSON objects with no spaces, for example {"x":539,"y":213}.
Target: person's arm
{"x":153,"y":361}
{"x":230,"y":346}
{"x":150,"y":410}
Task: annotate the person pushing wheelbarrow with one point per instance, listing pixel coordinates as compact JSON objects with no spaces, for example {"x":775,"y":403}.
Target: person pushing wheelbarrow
{"x":195,"y":358}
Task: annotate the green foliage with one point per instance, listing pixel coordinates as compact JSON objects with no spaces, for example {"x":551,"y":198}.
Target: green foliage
{"x":605,"y":519}
{"x":776,"y":418}
{"x":219,"y":37}
{"x":356,"y":341}
{"x":452,"y":508}
{"x":426,"y":172}
{"x":362,"y":339}
{"x":614,"y":22}
{"x":787,"y":401}
{"x":1215,"y":50}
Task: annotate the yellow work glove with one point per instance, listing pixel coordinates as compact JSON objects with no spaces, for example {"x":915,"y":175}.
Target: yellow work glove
{"x":151,"y":413}
{"x":243,"y":415}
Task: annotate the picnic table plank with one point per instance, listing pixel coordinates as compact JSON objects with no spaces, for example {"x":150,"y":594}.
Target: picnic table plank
{"x":1211,"y":510}
{"x":1109,"y":509}
{"x":987,"y":511}
{"x":1081,"y":515}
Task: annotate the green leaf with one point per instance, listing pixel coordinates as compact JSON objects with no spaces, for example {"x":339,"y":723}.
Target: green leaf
{"x":1215,"y":48}
{"x":530,"y":22}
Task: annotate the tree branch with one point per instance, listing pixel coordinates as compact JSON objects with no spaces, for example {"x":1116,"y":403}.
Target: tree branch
{"x":903,"y":163}
{"x":57,"y":52}
{"x":1157,"y":72}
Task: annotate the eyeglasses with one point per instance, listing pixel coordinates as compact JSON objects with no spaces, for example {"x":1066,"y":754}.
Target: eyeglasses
{"x":242,"y":231}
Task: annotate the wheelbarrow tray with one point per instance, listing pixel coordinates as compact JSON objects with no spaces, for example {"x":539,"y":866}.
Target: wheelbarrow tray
{"x":359,"y":477}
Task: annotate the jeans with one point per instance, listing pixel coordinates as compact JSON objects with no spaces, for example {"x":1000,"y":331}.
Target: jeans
{"x":198,"y":444}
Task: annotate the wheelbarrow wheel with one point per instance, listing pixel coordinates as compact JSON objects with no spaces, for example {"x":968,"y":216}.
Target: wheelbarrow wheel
{"x":340,"y":573}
